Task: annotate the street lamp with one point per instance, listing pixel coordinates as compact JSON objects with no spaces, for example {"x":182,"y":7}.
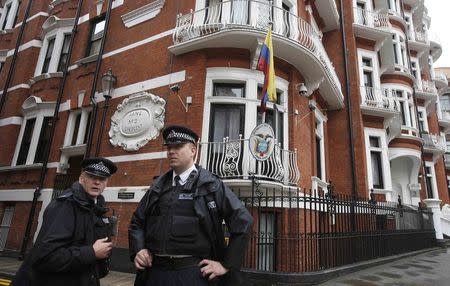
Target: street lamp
{"x":108,"y":83}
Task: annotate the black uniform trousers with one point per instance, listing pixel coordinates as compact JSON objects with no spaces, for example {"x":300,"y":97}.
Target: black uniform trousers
{"x":189,"y":276}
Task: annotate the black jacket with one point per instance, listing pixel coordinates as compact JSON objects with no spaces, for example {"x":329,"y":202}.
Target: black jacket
{"x":63,"y":253}
{"x":228,"y":207}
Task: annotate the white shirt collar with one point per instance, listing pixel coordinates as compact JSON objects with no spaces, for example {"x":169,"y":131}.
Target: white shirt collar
{"x":183,"y":176}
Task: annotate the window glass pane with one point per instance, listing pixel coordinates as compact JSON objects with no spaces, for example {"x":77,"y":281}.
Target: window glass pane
{"x":76,"y":129}
{"x":368,"y":82}
{"x":64,"y":53}
{"x":26,"y":140}
{"x":88,"y":123}
{"x":377,"y":172}
{"x":1,"y":66}
{"x":48,"y":55}
{"x":227,"y":121}
{"x":230,"y":90}
{"x":266,"y":242}
{"x":318,"y":157}
{"x":17,"y":14}
{"x":96,"y":37}
{"x":374,"y":141}
{"x":44,"y":139}
{"x":367,"y":62}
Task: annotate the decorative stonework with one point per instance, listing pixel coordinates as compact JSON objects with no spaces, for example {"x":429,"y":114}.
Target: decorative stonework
{"x":142,"y":14}
{"x":138,"y":119}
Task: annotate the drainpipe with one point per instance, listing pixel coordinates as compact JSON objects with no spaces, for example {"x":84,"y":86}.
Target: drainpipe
{"x":349,"y":111}
{"x":415,"y":103}
{"x":16,"y":52}
{"x":94,"y":83}
{"x":37,"y":191}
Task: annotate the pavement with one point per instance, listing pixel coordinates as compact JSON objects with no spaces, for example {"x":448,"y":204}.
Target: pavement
{"x":430,"y":268}
{"x":427,"y":269}
{"x":9,"y":266}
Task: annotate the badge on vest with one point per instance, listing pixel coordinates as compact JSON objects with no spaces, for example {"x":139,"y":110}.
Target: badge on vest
{"x":212,"y":205}
{"x":186,"y":196}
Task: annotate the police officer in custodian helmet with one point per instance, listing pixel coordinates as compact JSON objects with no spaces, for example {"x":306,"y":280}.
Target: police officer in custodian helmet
{"x":176,"y":235}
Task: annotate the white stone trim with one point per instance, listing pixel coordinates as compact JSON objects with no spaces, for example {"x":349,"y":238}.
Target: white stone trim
{"x":39,"y":14}
{"x":83,"y":19}
{"x":375,"y":69}
{"x":139,"y":43}
{"x":387,"y":182}
{"x":13,"y":120}
{"x":142,"y":14}
{"x":64,"y":106}
{"x":139,"y":157}
{"x":27,"y":45}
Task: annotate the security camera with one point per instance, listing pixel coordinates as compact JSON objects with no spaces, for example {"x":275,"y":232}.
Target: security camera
{"x":175,"y":88}
{"x":302,"y":89}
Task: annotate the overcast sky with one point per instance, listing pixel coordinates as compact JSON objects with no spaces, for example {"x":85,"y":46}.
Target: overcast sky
{"x":439,"y":10}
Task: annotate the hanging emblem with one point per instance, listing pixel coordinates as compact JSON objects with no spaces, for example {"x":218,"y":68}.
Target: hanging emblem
{"x":262,"y":142}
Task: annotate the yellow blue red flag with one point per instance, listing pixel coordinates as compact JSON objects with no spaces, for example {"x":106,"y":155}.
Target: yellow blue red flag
{"x":266,"y":65}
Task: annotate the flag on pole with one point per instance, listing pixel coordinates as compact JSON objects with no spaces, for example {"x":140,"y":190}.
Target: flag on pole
{"x":266,"y":65}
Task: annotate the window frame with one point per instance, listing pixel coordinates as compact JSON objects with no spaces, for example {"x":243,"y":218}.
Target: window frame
{"x":82,"y":128}
{"x":33,"y":107}
{"x":424,"y":120}
{"x":432,"y":176}
{"x":374,"y":69}
{"x":93,"y":23}
{"x":386,"y":171}
{"x":8,"y":21}
{"x":58,"y":34}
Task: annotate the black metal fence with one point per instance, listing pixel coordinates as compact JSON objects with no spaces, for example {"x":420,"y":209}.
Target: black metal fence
{"x":300,"y":231}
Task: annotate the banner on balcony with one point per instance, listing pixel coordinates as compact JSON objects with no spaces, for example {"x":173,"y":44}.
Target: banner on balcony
{"x":262,"y":142}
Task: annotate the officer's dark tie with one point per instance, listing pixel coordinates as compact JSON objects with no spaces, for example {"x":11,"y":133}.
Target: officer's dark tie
{"x":177,"y":181}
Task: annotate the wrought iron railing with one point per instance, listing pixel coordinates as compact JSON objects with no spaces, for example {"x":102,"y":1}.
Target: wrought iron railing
{"x":231,"y":159}
{"x":254,"y":15}
{"x":372,"y":19}
{"x":300,"y":232}
{"x":379,"y":98}
{"x":434,"y":141}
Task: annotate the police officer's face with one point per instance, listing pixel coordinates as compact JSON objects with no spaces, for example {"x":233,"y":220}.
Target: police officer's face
{"x":181,"y":156}
{"x":93,"y":185}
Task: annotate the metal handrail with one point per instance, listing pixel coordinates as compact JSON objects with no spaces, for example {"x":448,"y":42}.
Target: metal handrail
{"x":372,"y":19}
{"x":381,"y":98}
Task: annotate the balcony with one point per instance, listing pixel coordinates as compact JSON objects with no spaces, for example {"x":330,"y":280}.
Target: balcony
{"x":419,"y":42}
{"x":379,"y":102}
{"x":328,"y":13}
{"x":229,"y":24}
{"x":435,"y":46}
{"x":440,"y":80}
{"x":232,"y":161}
{"x":427,"y":91}
{"x":434,"y":143}
{"x":371,"y":25}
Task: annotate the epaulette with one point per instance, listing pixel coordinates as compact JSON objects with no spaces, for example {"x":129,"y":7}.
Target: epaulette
{"x":65,"y":196}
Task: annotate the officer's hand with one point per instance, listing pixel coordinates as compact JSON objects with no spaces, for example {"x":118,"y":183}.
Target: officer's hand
{"x":143,"y":259}
{"x":102,"y":248}
{"x":212,"y":269}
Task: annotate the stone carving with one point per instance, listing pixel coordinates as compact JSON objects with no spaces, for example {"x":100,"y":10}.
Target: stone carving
{"x":138,"y":119}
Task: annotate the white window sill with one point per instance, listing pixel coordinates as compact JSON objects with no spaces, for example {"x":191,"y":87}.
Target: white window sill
{"x":6,"y":31}
{"x":44,"y":76}
{"x":73,"y":150}
{"x":21,"y":167}
{"x":86,"y":60}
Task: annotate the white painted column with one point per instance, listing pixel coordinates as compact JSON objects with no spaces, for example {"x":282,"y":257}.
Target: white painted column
{"x":435,"y":206}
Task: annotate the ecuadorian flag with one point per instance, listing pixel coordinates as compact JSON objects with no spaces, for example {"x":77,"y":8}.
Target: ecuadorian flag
{"x":266,"y":65}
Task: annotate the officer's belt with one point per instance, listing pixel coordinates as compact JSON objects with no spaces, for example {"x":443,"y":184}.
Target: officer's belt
{"x":174,"y":263}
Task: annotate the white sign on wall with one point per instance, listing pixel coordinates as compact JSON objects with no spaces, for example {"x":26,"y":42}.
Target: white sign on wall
{"x":138,"y":119}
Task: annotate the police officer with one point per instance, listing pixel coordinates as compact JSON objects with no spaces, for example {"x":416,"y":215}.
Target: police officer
{"x":176,"y":235}
{"x":73,"y":247}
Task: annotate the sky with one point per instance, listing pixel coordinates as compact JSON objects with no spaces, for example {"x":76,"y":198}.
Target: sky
{"x":438,"y":10}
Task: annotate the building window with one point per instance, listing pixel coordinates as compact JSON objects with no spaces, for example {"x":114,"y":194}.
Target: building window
{"x":320,"y":147}
{"x":378,"y":168}
{"x":400,"y":58}
{"x":55,"y":48}
{"x":95,"y":39}
{"x":266,"y":242}
{"x":64,"y":57}
{"x":422,"y":117}
{"x":406,"y":107}
{"x":77,"y":127}
{"x":9,"y":14}
{"x":48,"y":55}
{"x":375,"y":162}
{"x":430,"y":181}
{"x":34,"y":134}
